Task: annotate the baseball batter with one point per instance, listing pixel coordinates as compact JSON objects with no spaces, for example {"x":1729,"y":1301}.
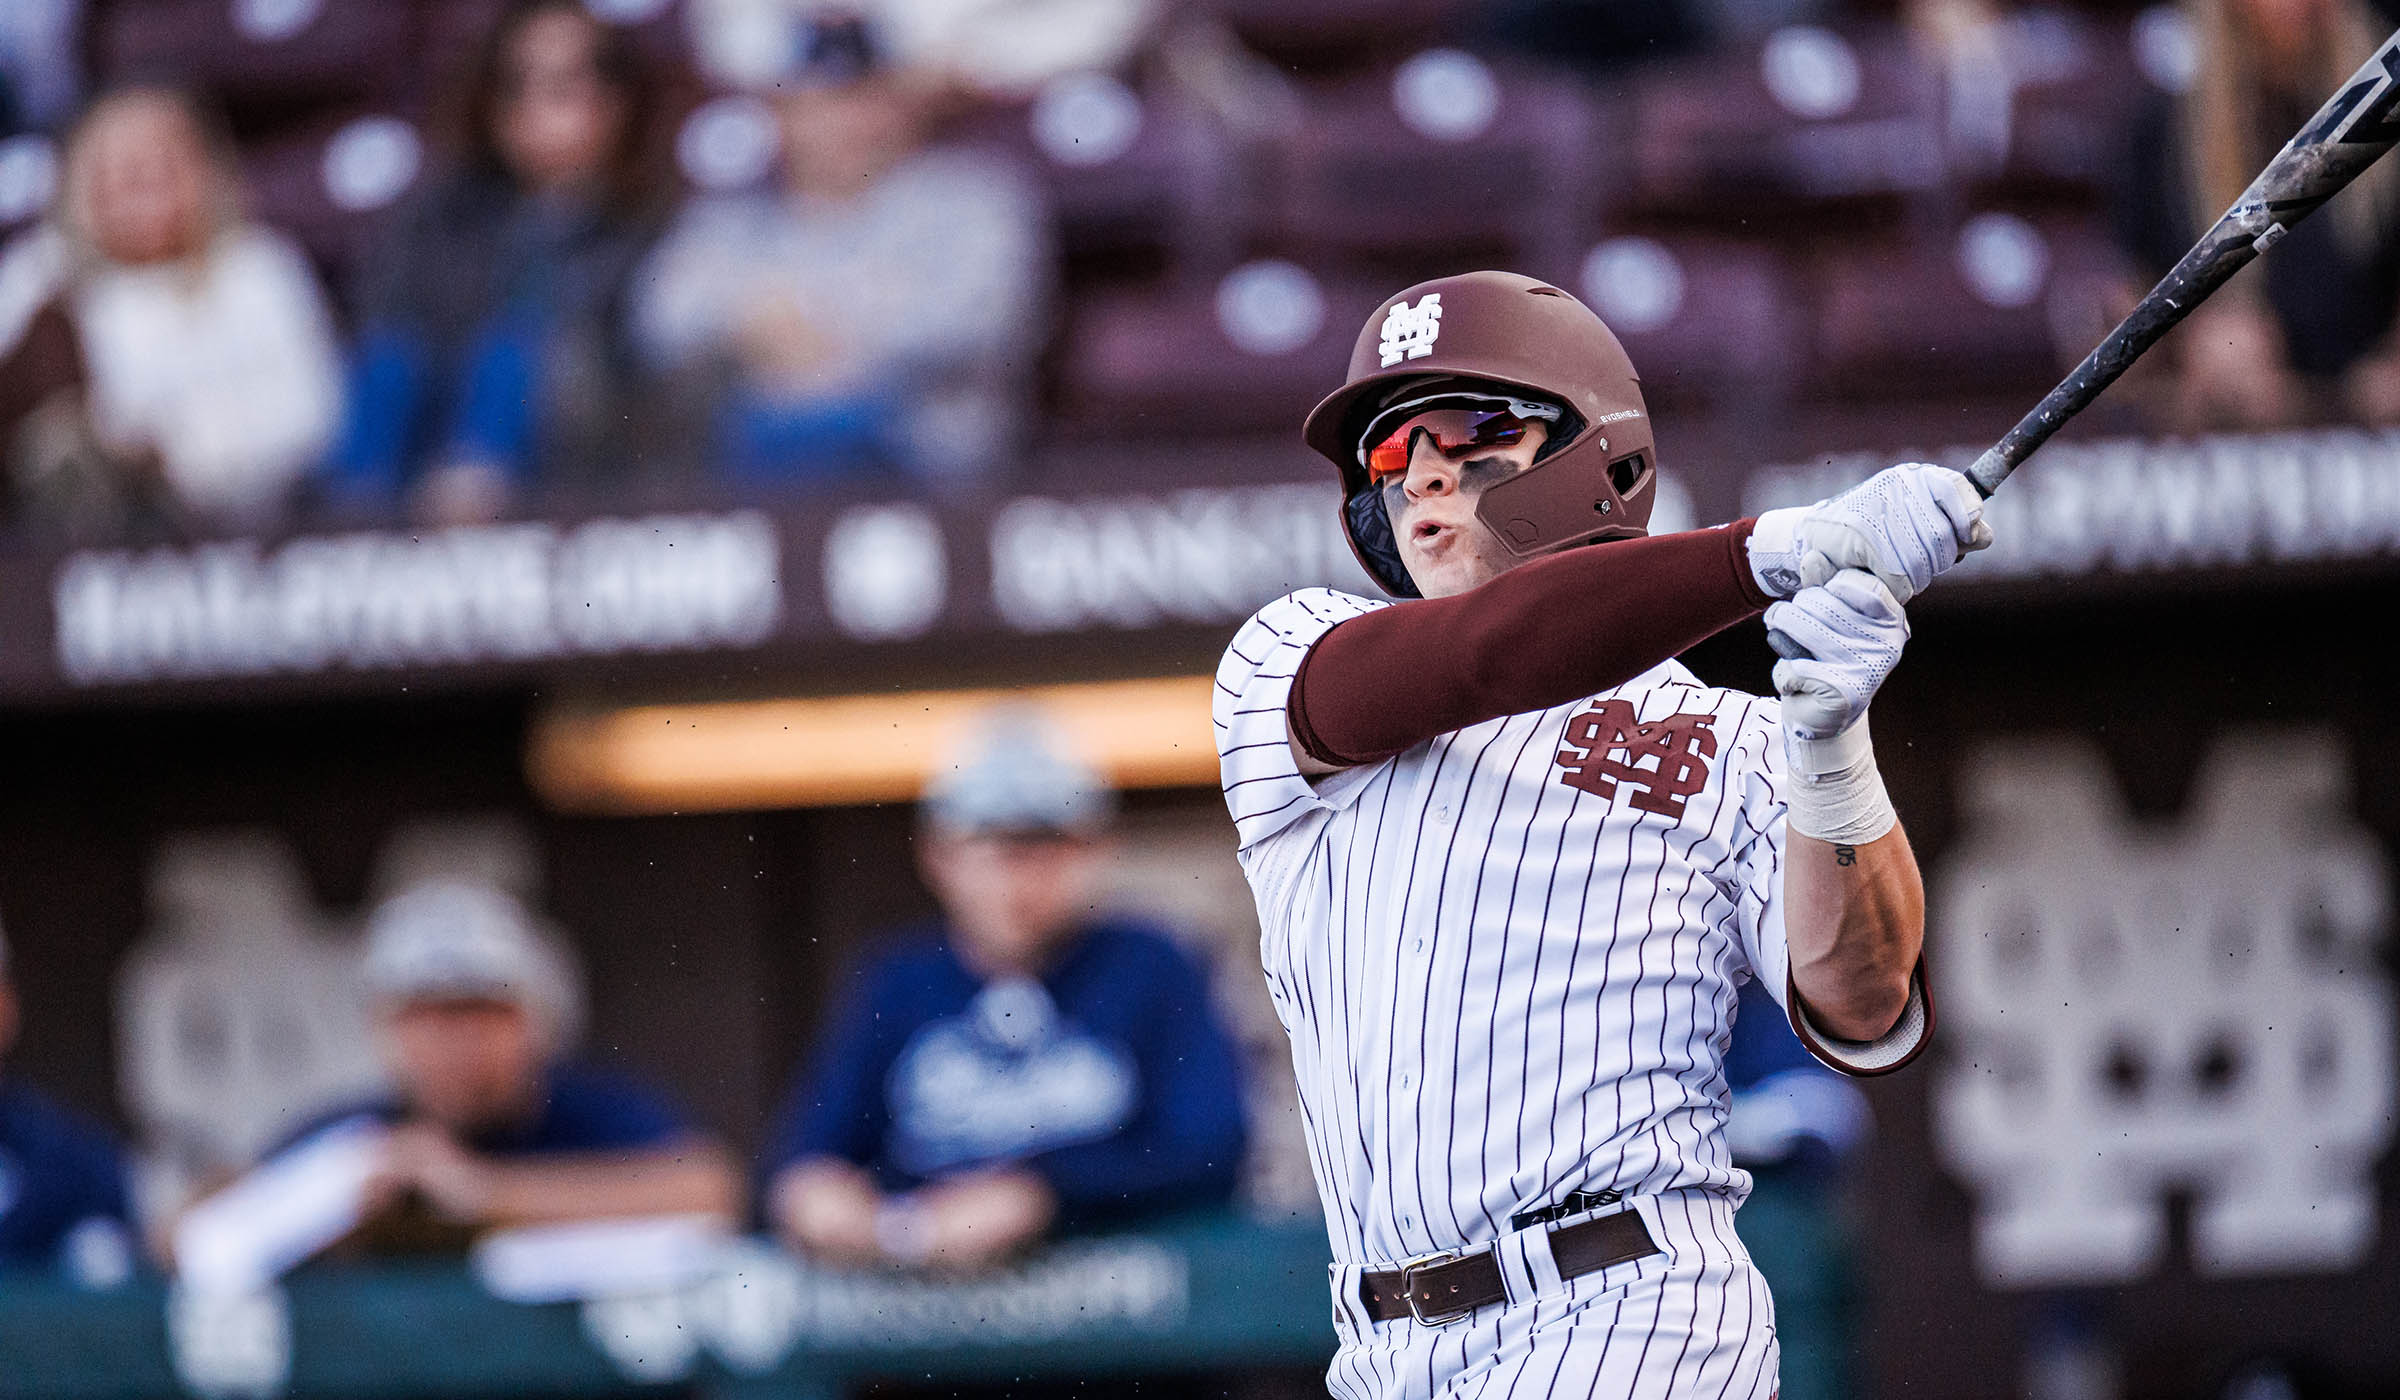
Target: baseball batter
{"x":1512,"y":861}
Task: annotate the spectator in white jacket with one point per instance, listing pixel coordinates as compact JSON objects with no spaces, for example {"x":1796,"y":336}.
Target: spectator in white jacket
{"x":161,"y":357}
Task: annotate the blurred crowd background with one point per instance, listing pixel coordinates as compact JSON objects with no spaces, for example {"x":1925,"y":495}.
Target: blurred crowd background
{"x":447,"y":257}
{"x":291,"y":973}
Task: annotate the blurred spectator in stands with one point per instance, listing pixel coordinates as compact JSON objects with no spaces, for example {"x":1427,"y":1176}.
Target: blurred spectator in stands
{"x":883,"y":310}
{"x":492,"y":355}
{"x":41,"y":63}
{"x":160,"y":355}
{"x":1021,"y":1066}
{"x":489,"y":1122}
{"x":2311,"y":329}
{"x":62,"y":1185}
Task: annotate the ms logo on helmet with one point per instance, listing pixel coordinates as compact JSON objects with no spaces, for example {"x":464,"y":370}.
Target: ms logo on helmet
{"x":1409,"y":331}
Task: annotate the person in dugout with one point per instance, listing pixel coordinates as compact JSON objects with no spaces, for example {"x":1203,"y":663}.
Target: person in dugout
{"x":64,"y":1206}
{"x":1018,"y":1067}
{"x":491,"y":1120}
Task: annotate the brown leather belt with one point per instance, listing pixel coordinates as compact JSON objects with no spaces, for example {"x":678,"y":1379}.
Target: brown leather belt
{"x":1445,"y":1287}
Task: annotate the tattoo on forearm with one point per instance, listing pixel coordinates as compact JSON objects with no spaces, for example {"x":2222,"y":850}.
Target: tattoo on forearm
{"x":1845,"y":855}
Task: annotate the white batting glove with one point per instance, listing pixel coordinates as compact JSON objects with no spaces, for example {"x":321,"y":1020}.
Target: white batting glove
{"x":1838,"y":641}
{"x":1907,"y":525}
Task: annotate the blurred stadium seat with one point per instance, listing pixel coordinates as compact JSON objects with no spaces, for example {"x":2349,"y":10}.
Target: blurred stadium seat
{"x":1442,"y":154}
{"x":1999,"y":303}
{"x":1326,"y":35}
{"x":327,"y":181}
{"x":1808,"y":122}
{"x":261,"y":58}
{"x":1257,"y":347}
{"x":1712,"y":322}
{"x":1128,"y":173}
{"x":2056,"y":109}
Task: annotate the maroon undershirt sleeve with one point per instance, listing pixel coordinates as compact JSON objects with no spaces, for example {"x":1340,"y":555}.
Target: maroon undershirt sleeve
{"x":1542,"y":634}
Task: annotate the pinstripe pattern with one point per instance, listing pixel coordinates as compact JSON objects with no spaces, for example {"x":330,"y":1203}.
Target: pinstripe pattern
{"x":1693,"y":1324}
{"x":1499,"y":989}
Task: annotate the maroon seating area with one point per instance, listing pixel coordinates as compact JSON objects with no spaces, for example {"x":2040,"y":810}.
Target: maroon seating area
{"x":1810,"y":189}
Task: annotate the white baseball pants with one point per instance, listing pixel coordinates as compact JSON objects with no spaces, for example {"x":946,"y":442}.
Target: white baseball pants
{"x":1693,"y":1322}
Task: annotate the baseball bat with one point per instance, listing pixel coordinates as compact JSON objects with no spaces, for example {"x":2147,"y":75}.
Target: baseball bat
{"x":2357,"y":125}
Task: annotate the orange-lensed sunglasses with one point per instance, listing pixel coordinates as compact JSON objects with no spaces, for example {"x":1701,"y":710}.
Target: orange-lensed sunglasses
{"x":1455,"y":428}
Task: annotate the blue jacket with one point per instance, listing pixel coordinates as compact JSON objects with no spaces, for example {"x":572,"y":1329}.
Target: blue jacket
{"x":57,"y":1172}
{"x":1110,"y":1077}
{"x":583,"y":1110}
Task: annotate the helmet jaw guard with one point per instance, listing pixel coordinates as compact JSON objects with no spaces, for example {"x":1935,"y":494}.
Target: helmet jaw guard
{"x":1593,"y":489}
{"x":1504,"y":331}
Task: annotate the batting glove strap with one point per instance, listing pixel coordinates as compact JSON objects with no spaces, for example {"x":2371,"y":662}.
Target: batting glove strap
{"x":1774,"y":549}
{"x":1834,"y":791}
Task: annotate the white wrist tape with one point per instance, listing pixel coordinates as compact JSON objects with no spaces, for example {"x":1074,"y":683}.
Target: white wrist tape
{"x":1835,"y":793}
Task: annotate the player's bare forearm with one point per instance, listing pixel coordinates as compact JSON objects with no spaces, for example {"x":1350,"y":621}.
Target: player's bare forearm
{"x":1854,"y":918}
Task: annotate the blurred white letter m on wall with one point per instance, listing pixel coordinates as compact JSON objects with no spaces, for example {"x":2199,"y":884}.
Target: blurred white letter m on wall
{"x":2136,"y":1009}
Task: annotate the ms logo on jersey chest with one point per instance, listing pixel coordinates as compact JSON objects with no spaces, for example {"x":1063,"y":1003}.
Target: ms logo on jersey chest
{"x":1664,"y":761}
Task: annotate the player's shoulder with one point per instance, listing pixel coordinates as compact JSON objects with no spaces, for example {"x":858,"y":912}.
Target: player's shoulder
{"x":1294,"y":620}
{"x":1306,"y":612}
{"x":1675,"y":678}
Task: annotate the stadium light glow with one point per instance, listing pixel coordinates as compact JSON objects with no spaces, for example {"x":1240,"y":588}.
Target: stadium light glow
{"x":848,"y":750}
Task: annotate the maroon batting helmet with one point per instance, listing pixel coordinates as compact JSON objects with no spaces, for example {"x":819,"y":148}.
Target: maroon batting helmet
{"x":1594,"y":477}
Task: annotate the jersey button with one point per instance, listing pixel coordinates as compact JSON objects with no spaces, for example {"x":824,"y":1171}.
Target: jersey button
{"x":1442,"y":814}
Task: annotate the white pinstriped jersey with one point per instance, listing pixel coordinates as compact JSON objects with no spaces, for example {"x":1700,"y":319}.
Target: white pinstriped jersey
{"x":1507,"y":958}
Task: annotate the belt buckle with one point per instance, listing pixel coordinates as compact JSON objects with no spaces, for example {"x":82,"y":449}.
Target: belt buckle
{"x":1408,"y":1284}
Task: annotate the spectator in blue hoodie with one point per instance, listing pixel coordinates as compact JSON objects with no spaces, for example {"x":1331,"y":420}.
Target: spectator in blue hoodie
{"x":1021,"y":1066}
{"x":62,"y":1184}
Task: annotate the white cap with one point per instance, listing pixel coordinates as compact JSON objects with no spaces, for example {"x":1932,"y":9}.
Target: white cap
{"x":1017,"y":775}
{"x":450,"y":938}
